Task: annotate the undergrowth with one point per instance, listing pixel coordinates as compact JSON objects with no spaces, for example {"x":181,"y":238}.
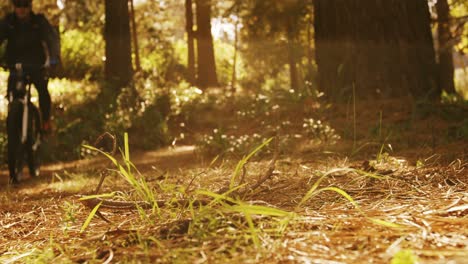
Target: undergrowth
{"x":203,"y":216}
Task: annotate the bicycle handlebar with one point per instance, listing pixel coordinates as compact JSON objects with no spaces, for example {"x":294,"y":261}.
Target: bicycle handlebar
{"x":25,"y":66}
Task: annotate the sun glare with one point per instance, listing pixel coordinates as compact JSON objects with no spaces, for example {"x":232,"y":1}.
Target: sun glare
{"x":60,"y":4}
{"x":224,"y":28}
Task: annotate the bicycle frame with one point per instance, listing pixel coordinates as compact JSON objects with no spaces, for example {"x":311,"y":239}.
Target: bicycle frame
{"x":23,"y":123}
{"x":23,"y":87}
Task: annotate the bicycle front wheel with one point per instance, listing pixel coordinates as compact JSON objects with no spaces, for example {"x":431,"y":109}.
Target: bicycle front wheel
{"x":33,"y":142}
{"x":16,"y":150}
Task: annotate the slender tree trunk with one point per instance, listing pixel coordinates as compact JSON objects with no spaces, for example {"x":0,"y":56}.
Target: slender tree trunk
{"x":382,"y":48}
{"x":234,"y":60}
{"x":136,"y":49}
{"x":293,"y":76}
{"x":118,"y":48}
{"x":206,"y":59}
{"x":445,"y":68}
{"x":190,"y":41}
{"x":310,"y":58}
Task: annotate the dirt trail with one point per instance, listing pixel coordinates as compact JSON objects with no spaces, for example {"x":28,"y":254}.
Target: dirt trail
{"x":165,"y":159}
{"x":421,"y":187}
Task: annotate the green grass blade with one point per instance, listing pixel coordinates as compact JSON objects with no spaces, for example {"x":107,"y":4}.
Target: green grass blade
{"x":257,"y":149}
{"x":127,"y":152}
{"x":384,"y":223}
{"x":405,"y":256}
{"x":216,"y":197}
{"x":344,"y":194}
{"x":314,"y":187}
{"x":355,"y":151}
{"x":370,"y":175}
{"x":213,"y":161}
{"x":104,"y":195}
{"x":253,"y":230}
{"x":103,"y":153}
{"x":311,"y":191}
{"x":259,"y":210}
{"x":244,"y":160}
{"x":90,"y":217}
{"x":141,"y":187}
{"x":354,"y":203}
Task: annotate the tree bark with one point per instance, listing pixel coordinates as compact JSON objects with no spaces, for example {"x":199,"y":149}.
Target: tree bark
{"x":445,"y":48}
{"x":136,"y":49}
{"x":118,"y":49}
{"x":380,"y":47}
{"x":293,"y":76}
{"x":206,"y":65}
{"x":310,"y":53}
{"x":234,"y":59}
{"x":190,"y":41}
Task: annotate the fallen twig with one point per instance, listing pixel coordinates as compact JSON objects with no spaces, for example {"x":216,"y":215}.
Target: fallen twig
{"x":103,"y":142}
{"x":130,"y":206}
{"x":124,"y":205}
{"x":268,"y":174}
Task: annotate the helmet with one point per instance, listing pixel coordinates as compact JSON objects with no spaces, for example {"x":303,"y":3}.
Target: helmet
{"x":22,"y":3}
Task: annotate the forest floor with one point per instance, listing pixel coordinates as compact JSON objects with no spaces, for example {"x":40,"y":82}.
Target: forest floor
{"x":392,"y":188}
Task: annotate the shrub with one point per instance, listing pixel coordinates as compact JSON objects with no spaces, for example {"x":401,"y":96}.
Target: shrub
{"x":82,"y":54}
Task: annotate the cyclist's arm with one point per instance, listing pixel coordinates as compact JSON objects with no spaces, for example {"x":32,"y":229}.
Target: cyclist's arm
{"x":47,"y":54}
{"x":47,"y":37}
{"x":3,"y":30}
{"x":3,"y":36}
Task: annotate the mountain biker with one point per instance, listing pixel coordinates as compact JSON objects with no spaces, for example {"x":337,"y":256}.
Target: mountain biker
{"x":29,"y":44}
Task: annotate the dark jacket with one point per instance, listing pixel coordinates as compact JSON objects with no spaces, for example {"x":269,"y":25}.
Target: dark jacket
{"x":24,"y":39}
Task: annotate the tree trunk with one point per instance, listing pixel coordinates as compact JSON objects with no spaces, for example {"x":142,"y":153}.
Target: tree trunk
{"x":292,"y":56}
{"x":136,"y":48}
{"x":310,"y":53}
{"x":118,"y":48}
{"x":234,"y":60}
{"x":190,"y":41}
{"x":206,"y":58}
{"x":445,"y":68}
{"x":382,"y":48}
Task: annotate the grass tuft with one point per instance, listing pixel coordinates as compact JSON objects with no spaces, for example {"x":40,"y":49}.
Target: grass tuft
{"x":90,"y":217}
{"x":314,"y":191}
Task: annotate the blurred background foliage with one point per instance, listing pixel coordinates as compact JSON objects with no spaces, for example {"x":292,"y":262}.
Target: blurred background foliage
{"x":85,"y":106}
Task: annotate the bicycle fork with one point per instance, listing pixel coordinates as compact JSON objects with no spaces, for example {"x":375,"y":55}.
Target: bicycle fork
{"x":20,"y":85}
{"x":25,"y":123}
{"x":24,"y":127}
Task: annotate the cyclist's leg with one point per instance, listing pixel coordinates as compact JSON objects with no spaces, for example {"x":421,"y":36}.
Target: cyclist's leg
{"x":15,"y":150}
{"x":12,"y":130}
{"x":11,"y":84}
{"x":41,"y":82}
{"x":12,"y":145}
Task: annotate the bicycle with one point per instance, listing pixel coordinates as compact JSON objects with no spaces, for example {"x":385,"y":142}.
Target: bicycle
{"x":23,"y":124}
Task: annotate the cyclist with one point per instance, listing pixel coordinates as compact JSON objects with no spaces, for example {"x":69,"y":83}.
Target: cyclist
{"x":32,"y":42}
{"x":29,"y":43}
